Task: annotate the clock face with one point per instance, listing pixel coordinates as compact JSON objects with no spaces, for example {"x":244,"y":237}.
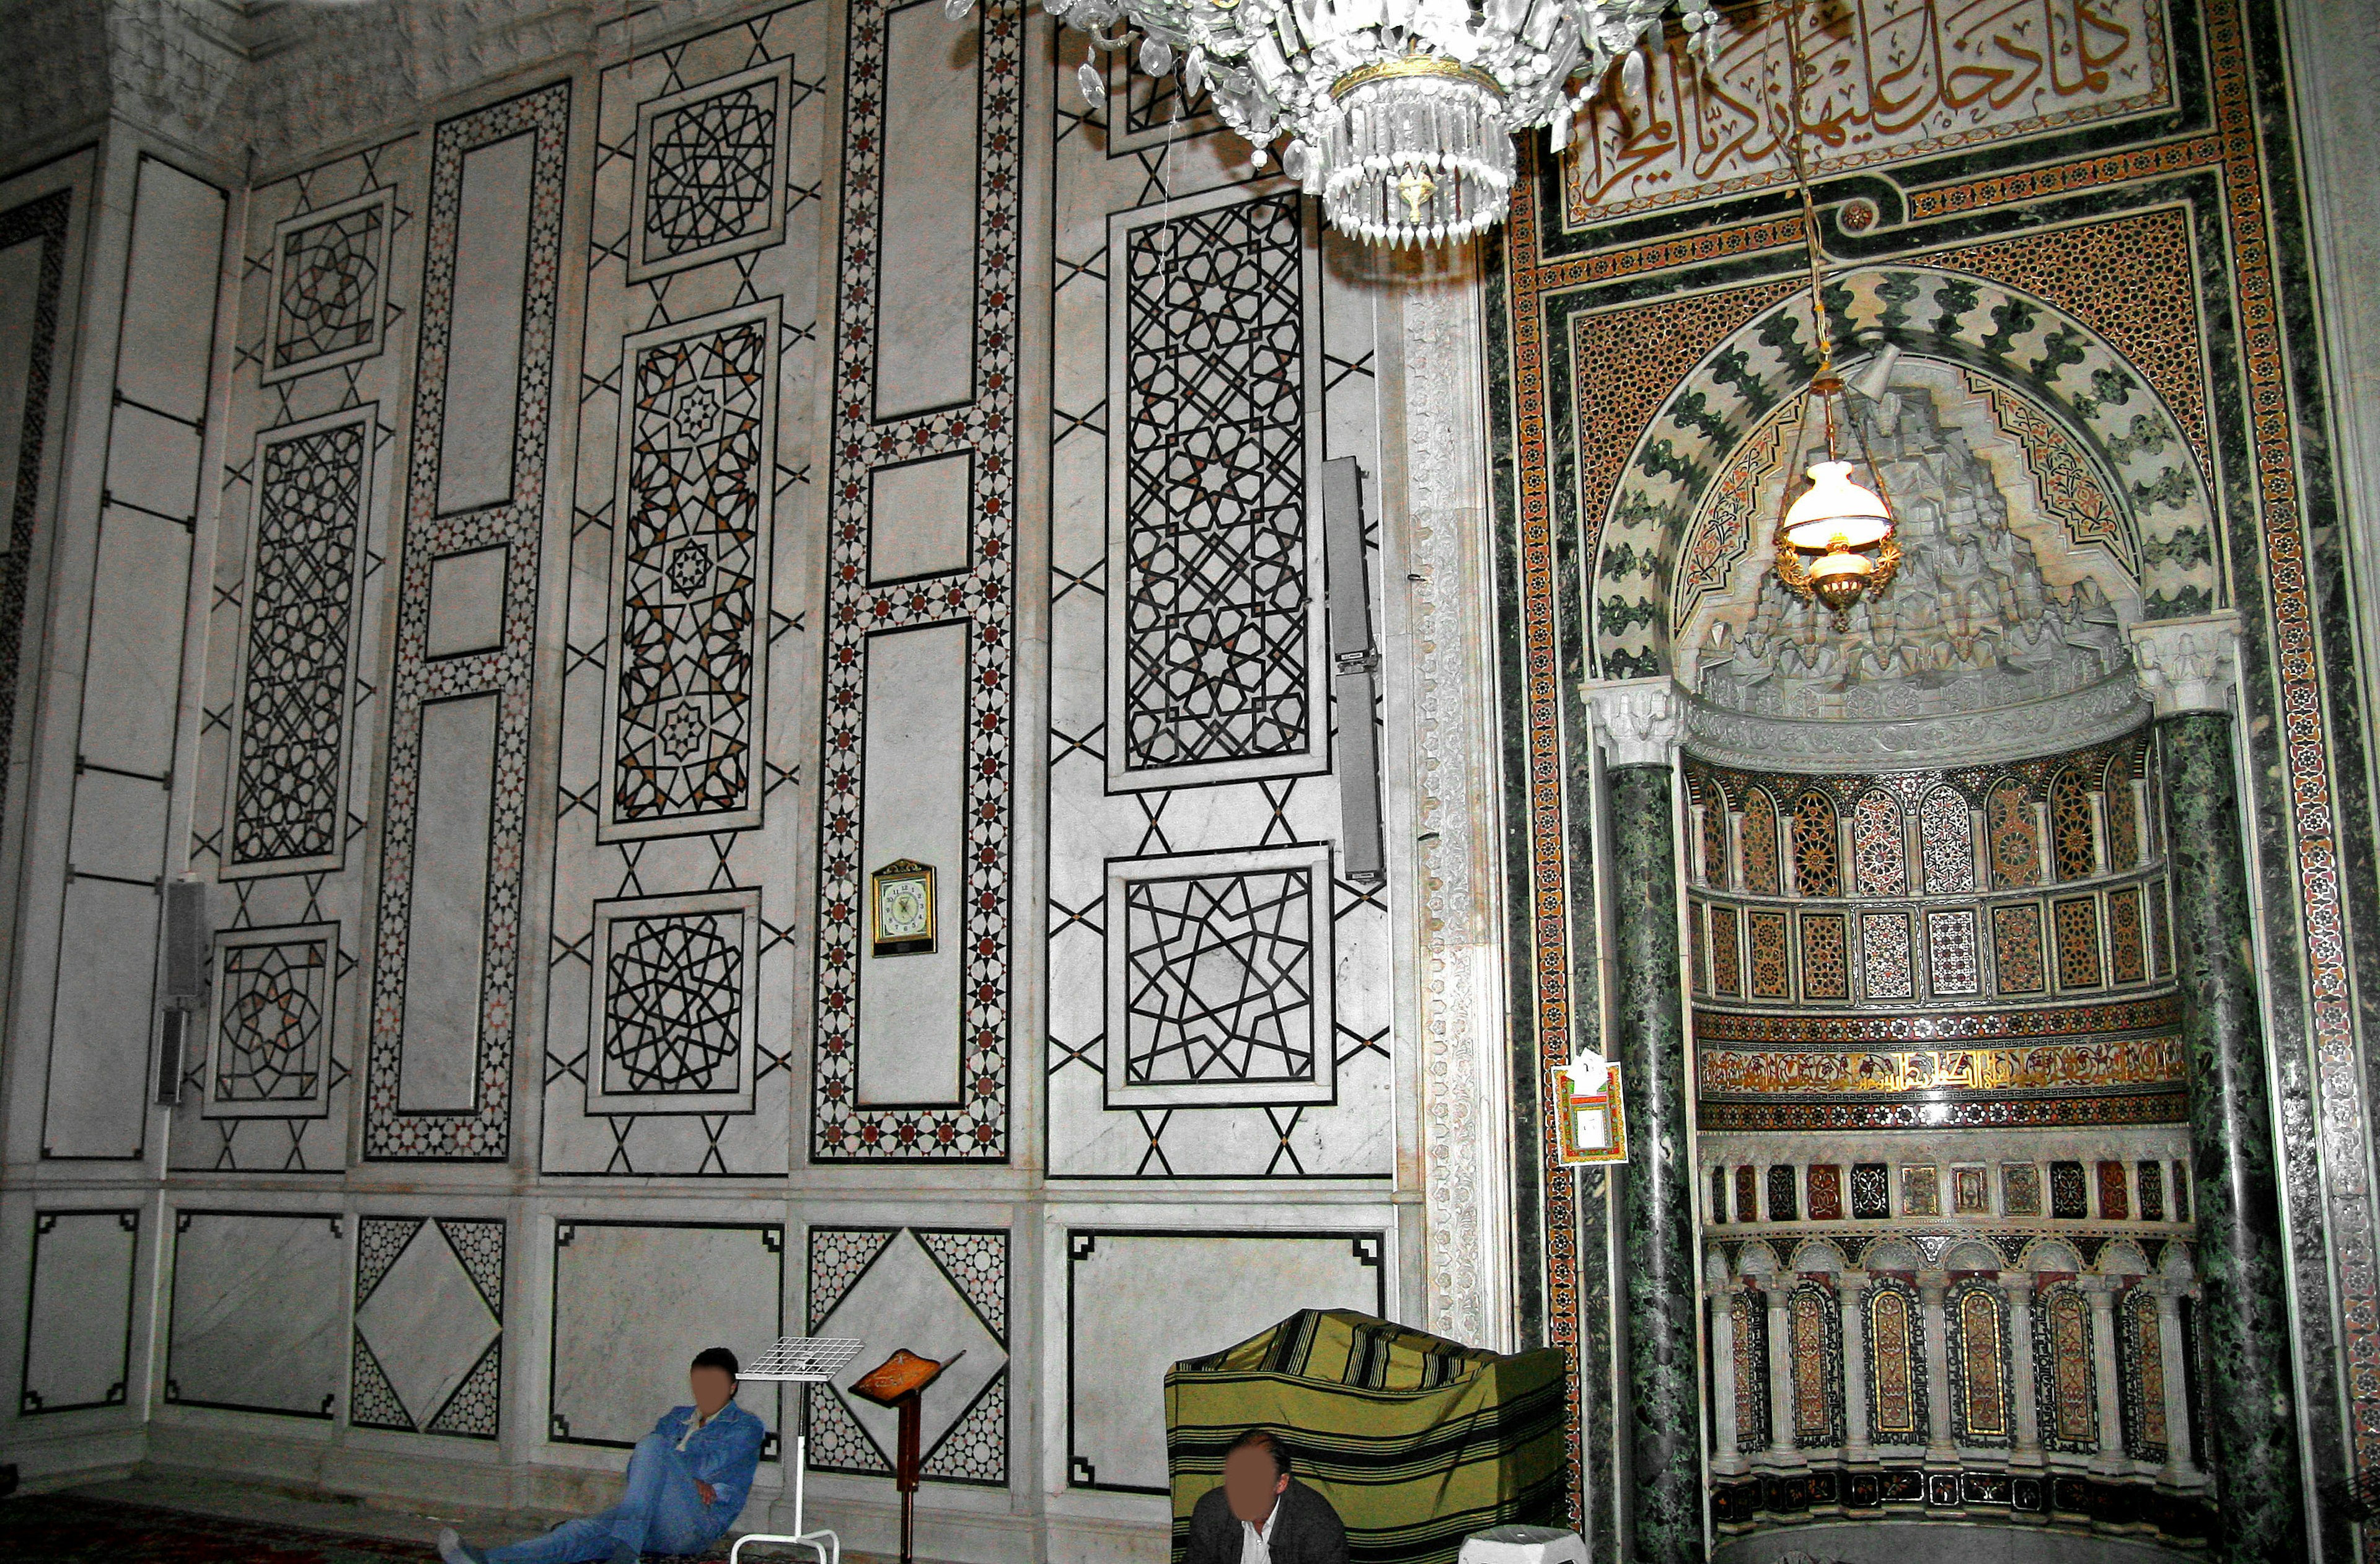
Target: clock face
{"x":901,"y":910}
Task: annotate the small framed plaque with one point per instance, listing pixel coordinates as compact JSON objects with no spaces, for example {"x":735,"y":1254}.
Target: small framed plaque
{"x":1592,"y":1127}
{"x":901,"y":909}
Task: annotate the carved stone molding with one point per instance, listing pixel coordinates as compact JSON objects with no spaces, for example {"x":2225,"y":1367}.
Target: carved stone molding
{"x":2189,"y":664}
{"x":1981,"y":738}
{"x":1465,"y":1095}
{"x":1640,"y":721}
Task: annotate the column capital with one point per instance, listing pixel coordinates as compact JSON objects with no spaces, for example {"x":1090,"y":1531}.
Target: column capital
{"x":1639,"y":720}
{"x":2187,"y":664}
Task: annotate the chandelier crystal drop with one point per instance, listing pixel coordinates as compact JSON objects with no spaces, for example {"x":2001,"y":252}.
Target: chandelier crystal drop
{"x":1400,"y":113}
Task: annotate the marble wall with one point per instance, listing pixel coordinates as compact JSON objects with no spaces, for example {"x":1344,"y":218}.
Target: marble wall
{"x":618,"y":503}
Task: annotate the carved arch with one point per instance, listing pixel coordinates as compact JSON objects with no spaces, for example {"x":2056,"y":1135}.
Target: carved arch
{"x":2095,"y":396}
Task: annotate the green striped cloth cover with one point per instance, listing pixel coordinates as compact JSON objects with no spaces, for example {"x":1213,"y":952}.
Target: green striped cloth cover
{"x":1416,"y":1441}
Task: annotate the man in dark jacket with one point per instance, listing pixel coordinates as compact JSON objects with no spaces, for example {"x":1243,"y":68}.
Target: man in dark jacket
{"x":1262,"y":1515}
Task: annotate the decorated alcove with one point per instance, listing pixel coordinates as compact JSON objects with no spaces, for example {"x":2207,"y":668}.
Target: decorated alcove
{"x":1924,"y":943}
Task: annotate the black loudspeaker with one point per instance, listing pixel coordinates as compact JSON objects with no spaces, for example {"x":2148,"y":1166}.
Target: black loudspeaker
{"x":190,"y":949}
{"x":188,"y":941}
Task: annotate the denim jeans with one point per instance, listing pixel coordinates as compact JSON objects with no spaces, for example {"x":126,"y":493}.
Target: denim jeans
{"x":662,"y":1513}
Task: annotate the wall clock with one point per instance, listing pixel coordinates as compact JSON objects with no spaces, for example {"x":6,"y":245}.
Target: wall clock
{"x":901,"y":909}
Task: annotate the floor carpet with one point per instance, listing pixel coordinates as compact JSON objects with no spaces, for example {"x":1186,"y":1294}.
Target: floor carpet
{"x":64,"y":1529}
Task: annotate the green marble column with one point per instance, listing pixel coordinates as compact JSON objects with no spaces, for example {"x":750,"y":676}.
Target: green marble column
{"x":1649,"y":1044}
{"x":2251,"y":1394}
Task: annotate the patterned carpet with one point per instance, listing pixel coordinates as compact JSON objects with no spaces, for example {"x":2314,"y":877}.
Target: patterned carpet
{"x":64,"y":1529}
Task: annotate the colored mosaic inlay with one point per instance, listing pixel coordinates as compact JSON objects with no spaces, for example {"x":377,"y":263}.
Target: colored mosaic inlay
{"x":1826,"y":1192}
{"x":1880,"y":859}
{"x":1884,"y":968}
{"x":1947,"y":830}
{"x":2076,"y":851}
{"x":2115,"y":1204}
{"x":2014,"y":840}
{"x":1727,"y":954}
{"x":1759,"y":839}
{"x":1970,"y":1193}
{"x":2016,"y":950}
{"x":1825,"y":973}
{"x":2126,"y":955}
{"x":2077,"y":922}
{"x":1950,"y":956}
{"x":2160,"y":1012}
{"x":1768,"y":976}
{"x":1871,"y":1190}
{"x":1818,"y":856}
{"x":2045,"y":1067}
{"x":1783,"y":1204}
{"x":1894,"y":1402}
{"x":2069,"y":1197}
{"x":2020,"y":1189}
{"x":1921,"y":1192}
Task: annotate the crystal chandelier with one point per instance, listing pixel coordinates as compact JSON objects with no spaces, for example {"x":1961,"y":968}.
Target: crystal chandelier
{"x":1401,"y":114}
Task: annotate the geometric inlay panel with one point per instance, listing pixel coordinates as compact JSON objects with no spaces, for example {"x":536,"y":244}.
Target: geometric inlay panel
{"x":273,"y":990}
{"x":690,"y":575}
{"x":330,"y":282}
{"x":679,"y":1007}
{"x":1218,"y":978}
{"x":940,"y":1293}
{"x":710,"y":179}
{"x":1215,"y":658}
{"x":429,"y":1334}
{"x":290,"y":736}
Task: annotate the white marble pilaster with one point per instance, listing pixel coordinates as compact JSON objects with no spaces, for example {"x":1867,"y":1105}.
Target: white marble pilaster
{"x":2018,"y":1285}
{"x":1780,"y":1377}
{"x":1728,"y":1460}
{"x":1931,"y":1286}
{"x":1850,"y":1287}
{"x":1441,"y":676}
{"x":2104,"y":1366}
{"x":2180,"y":1463}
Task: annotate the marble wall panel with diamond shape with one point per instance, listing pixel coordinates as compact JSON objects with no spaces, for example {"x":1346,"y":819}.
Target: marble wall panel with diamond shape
{"x":939,"y":1292}
{"x":428,"y":1349}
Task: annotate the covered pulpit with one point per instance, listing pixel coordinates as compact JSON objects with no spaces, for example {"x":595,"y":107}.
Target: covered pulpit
{"x":1416,"y":1441}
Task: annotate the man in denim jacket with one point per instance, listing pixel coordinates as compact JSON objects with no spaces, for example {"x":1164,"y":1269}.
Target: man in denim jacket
{"x":687,"y":1483}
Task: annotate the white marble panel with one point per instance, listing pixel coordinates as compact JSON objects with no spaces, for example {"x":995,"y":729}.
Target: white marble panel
{"x":21,"y":267}
{"x":475,"y":452}
{"x":132,"y":683}
{"x":911,"y":807}
{"x":78,"y":1331}
{"x":153,"y":463}
{"x":257,"y":1311}
{"x":467,"y":601}
{"x":918,"y":518}
{"x":904,"y":1298}
{"x":426,"y":1323}
{"x":447,"y":912}
{"x":633,"y":1304}
{"x":169,"y":292}
{"x":1139,"y":1301}
{"x":119,"y":826}
{"x":926,"y":280}
{"x":99,"y":1039}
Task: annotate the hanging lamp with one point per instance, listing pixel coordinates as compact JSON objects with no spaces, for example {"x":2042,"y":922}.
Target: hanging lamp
{"x":1836,"y":541}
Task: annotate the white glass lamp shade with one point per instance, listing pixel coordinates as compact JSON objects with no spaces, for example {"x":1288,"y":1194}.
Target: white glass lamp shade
{"x":1835,"y":513}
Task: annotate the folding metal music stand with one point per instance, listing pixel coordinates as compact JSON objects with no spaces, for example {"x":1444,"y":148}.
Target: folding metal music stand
{"x":801,"y":1359}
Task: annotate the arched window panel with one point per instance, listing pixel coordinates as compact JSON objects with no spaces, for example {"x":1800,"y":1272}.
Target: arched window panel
{"x":1817,"y":854}
{"x":2123,"y":813}
{"x":1976,"y":1357}
{"x":1751,"y":1320}
{"x":1815,"y":1326}
{"x":1759,"y":843}
{"x":1879,"y":856}
{"x":1896,"y":1351}
{"x":2014,"y":837}
{"x":1714,"y":836}
{"x":2063,"y":1382}
{"x":1946,"y":836}
{"x":2077,"y":853}
{"x":2140,"y":1348}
